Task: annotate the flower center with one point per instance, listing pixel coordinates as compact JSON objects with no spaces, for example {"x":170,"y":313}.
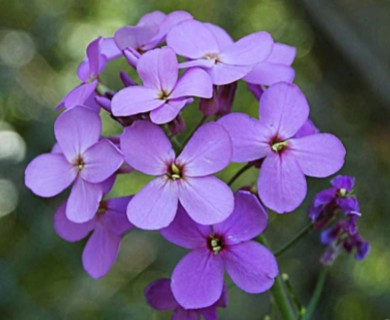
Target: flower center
{"x":215,"y":244}
{"x":278,"y":145}
{"x":343,"y":192}
{"x":212,"y":56}
{"x":102,"y":208}
{"x":79,"y":163}
{"x":175,"y":172}
{"x":163,"y":95}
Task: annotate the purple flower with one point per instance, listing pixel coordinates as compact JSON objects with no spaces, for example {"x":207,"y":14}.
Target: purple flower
{"x":159,"y":296}
{"x":186,"y":178}
{"x":287,"y":159}
{"x":84,"y":161}
{"x":107,"y":227}
{"x":197,"y":280}
{"x":99,"y":52}
{"x":163,"y":94}
{"x":150,"y":31}
{"x":276,"y":68}
{"x":327,"y":202}
{"x":210,"y":47}
{"x":221,"y":101}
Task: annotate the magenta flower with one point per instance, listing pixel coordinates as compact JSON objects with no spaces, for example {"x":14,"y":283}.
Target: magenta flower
{"x":197,"y":280}
{"x":162,"y":93}
{"x":107,"y":227}
{"x":150,"y":31}
{"x":186,"y":178}
{"x":276,"y":68}
{"x":210,"y":47}
{"x":159,"y":295}
{"x":283,"y":111}
{"x":84,"y":161}
{"x":99,"y":52}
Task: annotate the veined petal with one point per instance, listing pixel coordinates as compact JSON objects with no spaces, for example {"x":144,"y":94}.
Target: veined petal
{"x":83,"y":201}
{"x":159,"y":295}
{"x":76,"y":130}
{"x":100,"y":252}
{"x":197,"y":280}
{"x":80,"y":95}
{"x":68,"y":230}
{"x":49,"y":174}
{"x":168,"y":111}
{"x":195,"y":82}
{"x":249,"y":137}
{"x":249,"y":50}
{"x":208,"y":151}
{"x":155,"y":206}
{"x":135,"y":37}
{"x":185,"y":232}
{"x":101,"y":161}
{"x":221,"y":36}
{"x":192,"y":39}
{"x":146,"y":148}
{"x":134,"y":100}
{"x":115,"y":218}
{"x":248,"y":220}
{"x":281,"y":184}
{"x":109,"y":49}
{"x":207,"y":200}
{"x":284,"y":109}
{"x":282,"y":54}
{"x":93,"y":55}
{"x":201,"y":63}
{"x":159,"y":69}
{"x":266,"y":73}
{"x":223,"y":73}
{"x":251,"y":266}
{"x":319,"y":155}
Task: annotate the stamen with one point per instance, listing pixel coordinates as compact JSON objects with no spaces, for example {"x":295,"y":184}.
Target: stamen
{"x":215,"y":244}
{"x":175,"y":172}
{"x":163,"y":95}
{"x":80,"y":164}
{"x":279,"y":146}
{"x":343,"y":192}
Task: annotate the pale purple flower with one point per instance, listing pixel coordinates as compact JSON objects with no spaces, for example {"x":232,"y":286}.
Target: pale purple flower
{"x":210,"y":47}
{"x":197,"y":280}
{"x":99,"y":52}
{"x":106,"y":228}
{"x":159,"y":295}
{"x":274,"y":69}
{"x":287,"y":159}
{"x":186,"y":178}
{"x":84,"y":161}
{"x":150,"y":31}
{"x":163,"y":94}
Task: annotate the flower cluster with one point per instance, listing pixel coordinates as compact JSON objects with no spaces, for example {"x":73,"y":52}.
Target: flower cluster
{"x":176,"y":60}
{"x":343,"y":232}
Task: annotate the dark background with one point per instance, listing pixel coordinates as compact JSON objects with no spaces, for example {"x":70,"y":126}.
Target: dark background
{"x":343,"y":67}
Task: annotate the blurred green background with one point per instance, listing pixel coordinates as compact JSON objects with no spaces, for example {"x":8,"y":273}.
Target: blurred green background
{"x":342,"y":65}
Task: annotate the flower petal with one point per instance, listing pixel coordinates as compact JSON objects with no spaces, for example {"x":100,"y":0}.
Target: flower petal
{"x":247,"y":221}
{"x":192,"y":39}
{"x":68,"y":230}
{"x":185,"y":232}
{"x":159,"y":69}
{"x":282,"y":54}
{"x":183,"y":314}
{"x":197,"y":280}
{"x":169,"y":22}
{"x":115,"y":218}
{"x":195,"y":82}
{"x":223,"y":73}
{"x":101,"y":161}
{"x":168,"y":111}
{"x":249,"y":50}
{"x":134,"y":100}
{"x":284,"y":109}
{"x":221,"y":36}
{"x":207,"y":200}
{"x":201,"y":63}
{"x":83,"y":201}
{"x":80,"y":95}
{"x":146,"y":148}
{"x":49,"y":174}
{"x":208,"y":151}
{"x":135,"y":37}
{"x":100,"y":252}
{"x":159,"y":295}
{"x":109,"y":49}
{"x":281,"y":184}
{"x":267,"y":74}
{"x":155,"y":206}
{"x":249,"y":137}
{"x":251,"y":266}
{"x":318,"y":155}
{"x":76,"y":130}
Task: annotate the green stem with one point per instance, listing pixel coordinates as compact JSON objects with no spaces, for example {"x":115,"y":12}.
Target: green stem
{"x":279,"y":293}
{"x":239,"y":173}
{"x":294,"y":240}
{"x":316,"y":294}
{"x":301,"y":309}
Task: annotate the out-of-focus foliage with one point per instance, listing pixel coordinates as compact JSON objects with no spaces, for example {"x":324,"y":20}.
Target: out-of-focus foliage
{"x":41,"y":44}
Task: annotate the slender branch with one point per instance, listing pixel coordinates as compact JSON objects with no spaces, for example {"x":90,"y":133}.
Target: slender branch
{"x":279,"y":292}
{"x":294,"y":240}
{"x":187,"y":138}
{"x":316,"y":294}
{"x":239,"y":173}
{"x":301,"y":309}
